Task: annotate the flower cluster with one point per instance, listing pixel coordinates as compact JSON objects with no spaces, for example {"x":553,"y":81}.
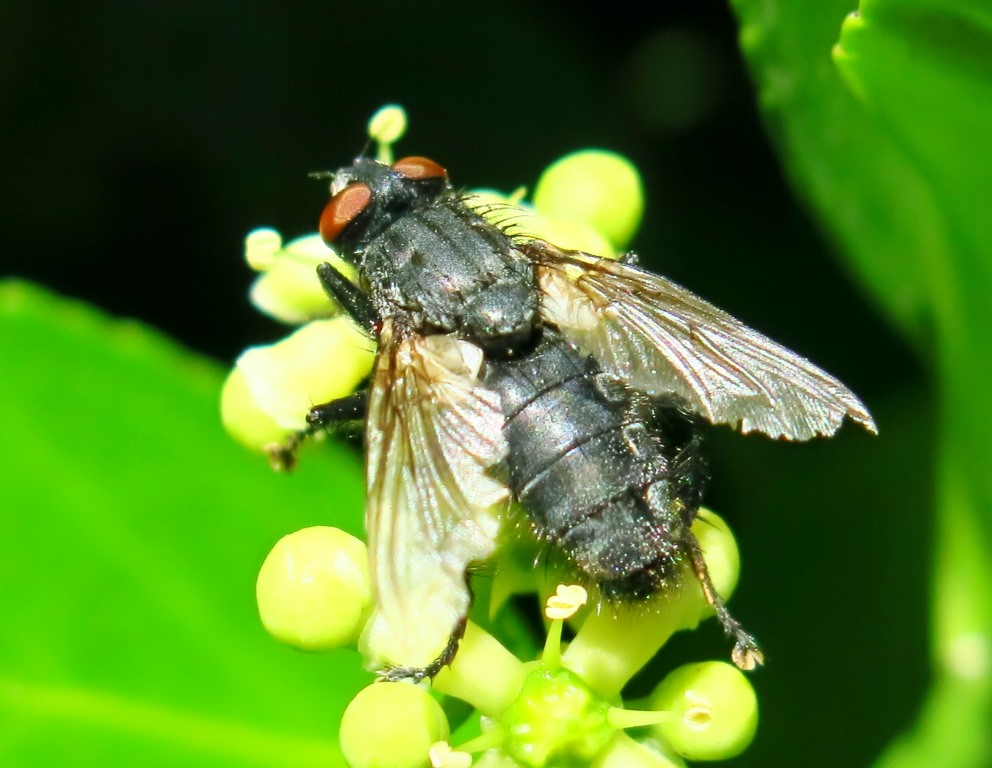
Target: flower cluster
{"x":566,"y":707}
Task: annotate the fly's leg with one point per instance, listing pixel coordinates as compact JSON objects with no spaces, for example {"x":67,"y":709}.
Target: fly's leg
{"x":337,"y":412}
{"x":687,"y":468}
{"x":746,"y":654}
{"x":327,"y":416}
{"x":351,"y":298}
{"x":346,"y":409}
{"x":393,"y":674}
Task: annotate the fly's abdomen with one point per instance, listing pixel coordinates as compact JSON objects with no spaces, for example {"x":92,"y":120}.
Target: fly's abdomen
{"x":610,"y":476}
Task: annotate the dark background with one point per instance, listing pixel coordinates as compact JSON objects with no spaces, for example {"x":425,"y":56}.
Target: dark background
{"x":142,"y":141}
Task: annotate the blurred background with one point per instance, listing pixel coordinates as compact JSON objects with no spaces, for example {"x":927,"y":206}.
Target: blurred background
{"x":143,"y":141}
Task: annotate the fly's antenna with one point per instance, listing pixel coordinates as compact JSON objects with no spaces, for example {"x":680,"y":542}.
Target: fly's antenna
{"x":386,"y":127}
{"x":327,"y":176}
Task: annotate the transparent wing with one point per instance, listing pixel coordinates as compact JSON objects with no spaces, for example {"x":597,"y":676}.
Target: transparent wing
{"x":434,"y":434}
{"x":661,"y":338}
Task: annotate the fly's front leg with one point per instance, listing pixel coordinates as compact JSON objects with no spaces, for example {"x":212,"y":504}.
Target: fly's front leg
{"x":351,"y":298}
{"x":416,"y":674}
{"x":327,"y":416}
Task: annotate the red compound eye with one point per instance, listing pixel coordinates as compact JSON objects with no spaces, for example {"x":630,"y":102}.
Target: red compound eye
{"x":343,"y":209}
{"x":419,"y":168}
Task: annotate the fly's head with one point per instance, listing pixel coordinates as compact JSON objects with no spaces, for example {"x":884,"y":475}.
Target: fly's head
{"x":368,"y":196}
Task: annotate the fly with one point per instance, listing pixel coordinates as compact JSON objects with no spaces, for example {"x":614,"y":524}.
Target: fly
{"x":511,"y":370}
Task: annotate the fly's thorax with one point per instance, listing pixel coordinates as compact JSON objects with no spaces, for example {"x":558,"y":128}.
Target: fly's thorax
{"x":449,"y":270}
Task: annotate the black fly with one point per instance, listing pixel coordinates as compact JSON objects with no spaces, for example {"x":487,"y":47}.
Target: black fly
{"x":509,"y":370}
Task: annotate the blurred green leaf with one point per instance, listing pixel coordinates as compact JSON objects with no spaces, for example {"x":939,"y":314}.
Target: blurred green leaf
{"x":891,"y":147}
{"x":924,"y":69}
{"x":132,"y":531}
{"x":839,"y":159}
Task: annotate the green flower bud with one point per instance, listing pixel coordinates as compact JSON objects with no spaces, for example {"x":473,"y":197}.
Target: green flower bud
{"x":388,"y":124}
{"x":288,"y":288}
{"x":567,"y":233}
{"x":391,"y":725}
{"x":714,"y":711}
{"x":506,"y":211}
{"x":602,"y":189}
{"x":277,"y":384}
{"x":526,"y":220}
{"x":496,"y":759}
{"x":443,"y":756}
{"x":262,"y":247}
{"x":625,"y":752}
{"x":244,"y":419}
{"x":313,"y":589}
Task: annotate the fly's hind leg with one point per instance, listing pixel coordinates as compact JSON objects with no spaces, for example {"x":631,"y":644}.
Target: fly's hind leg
{"x":746,"y":654}
{"x":327,"y":416}
{"x":687,"y":476}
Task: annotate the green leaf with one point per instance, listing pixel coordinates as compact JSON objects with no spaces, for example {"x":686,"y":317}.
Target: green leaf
{"x":131,"y":534}
{"x":889,"y":140}
{"x":924,"y":69}
{"x":838,"y":158}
